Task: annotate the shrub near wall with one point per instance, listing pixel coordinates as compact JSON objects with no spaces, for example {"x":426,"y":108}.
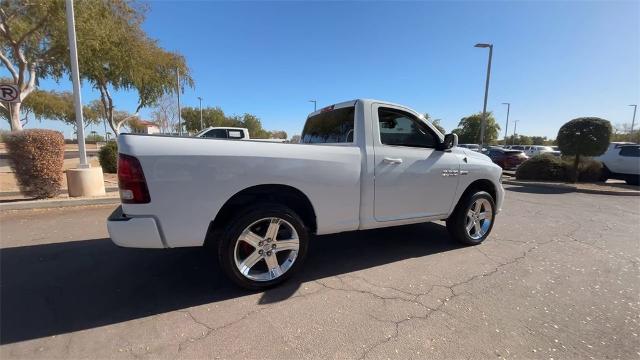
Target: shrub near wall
{"x":37,"y":157}
{"x":553,"y":168}
{"x":108,"y":157}
{"x":542,"y":167}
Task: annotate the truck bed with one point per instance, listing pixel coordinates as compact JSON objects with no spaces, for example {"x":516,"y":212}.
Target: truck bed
{"x":195,"y":176}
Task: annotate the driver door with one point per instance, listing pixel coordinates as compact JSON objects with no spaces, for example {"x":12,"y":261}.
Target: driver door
{"x":412,"y":178}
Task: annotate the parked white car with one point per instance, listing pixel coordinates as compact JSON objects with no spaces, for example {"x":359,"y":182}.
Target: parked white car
{"x":218,"y":132}
{"x":621,"y":161}
{"x":474,"y":147}
{"x":233,"y":133}
{"x":533,"y":150}
{"x":362,"y":164}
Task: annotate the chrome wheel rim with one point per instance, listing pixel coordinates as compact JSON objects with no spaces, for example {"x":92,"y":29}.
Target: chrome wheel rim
{"x":479,"y":218}
{"x":266,"y":249}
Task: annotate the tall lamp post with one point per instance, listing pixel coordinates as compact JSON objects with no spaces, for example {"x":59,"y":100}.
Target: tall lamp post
{"x":483,"y":125}
{"x":201,"y":123}
{"x":515,"y":128}
{"x":83,"y":180}
{"x":75,"y":77}
{"x":506,"y":127}
{"x":314,"y":104}
{"x":178,"y":93}
{"x":633,"y":120}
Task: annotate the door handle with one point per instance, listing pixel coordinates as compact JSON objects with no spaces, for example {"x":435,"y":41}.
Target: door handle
{"x":389,"y":160}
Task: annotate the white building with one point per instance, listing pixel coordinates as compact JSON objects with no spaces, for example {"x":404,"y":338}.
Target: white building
{"x":147,"y":127}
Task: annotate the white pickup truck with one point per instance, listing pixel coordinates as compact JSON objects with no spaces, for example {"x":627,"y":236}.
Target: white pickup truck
{"x":361,"y":164}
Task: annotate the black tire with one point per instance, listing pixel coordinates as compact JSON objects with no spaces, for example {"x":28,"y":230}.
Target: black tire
{"x":456,"y":223}
{"x":606,"y":174}
{"x":230,"y":236}
{"x":633,"y":180}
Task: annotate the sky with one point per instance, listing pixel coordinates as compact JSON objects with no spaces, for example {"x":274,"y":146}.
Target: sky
{"x":553,"y":61}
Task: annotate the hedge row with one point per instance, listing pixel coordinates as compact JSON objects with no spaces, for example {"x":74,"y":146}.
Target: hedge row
{"x":37,"y":158}
{"x":108,"y":156}
{"x":554,"y":168}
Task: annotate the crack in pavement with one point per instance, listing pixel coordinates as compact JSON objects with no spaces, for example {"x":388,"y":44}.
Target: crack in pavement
{"x":446,"y":299}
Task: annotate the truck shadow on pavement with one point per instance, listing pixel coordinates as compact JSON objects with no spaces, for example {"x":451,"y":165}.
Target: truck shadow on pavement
{"x":52,"y":289}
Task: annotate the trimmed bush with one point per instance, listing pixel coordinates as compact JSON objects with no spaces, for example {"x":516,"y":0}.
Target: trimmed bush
{"x":37,"y":157}
{"x":589,"y":170}
{"x":108,"y":156}
{"x":553,"y":168}
{"x":588,"y":136}
{"x":542,"y":167}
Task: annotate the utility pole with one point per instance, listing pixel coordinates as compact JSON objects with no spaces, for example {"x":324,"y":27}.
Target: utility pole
{"x":179,"y":112}
{"x":314,"y":104}
{"x":483,"y":125}
{"x":515,"y":127}
{"x":506,"y":126}
{"x":201,"y":123}
{"x":75,"y":77}
{"x":633,"y":120}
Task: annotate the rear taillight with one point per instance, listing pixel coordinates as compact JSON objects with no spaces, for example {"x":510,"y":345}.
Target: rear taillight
{"x":131,"y":181}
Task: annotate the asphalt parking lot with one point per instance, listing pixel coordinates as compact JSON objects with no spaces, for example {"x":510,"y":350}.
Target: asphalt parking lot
{"x":558,"y":278}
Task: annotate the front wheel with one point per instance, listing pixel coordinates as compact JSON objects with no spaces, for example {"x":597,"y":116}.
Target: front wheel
{"x":263,"y":247}
{"x":472,"y":220}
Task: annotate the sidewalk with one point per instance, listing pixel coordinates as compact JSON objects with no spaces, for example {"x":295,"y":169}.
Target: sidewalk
{"x":12,"y":199}
{"x":608,"y":188}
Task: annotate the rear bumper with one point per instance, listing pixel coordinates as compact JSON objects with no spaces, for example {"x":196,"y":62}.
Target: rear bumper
{"x":136,"y":232}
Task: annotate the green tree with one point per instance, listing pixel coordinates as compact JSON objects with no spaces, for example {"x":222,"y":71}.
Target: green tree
{"x":94,"y":137}
{"x":435,"y":122}
{"x":468,"y":129}
{"x":108,"y":29}
{"x":54,"y":105}
{"x":587,"y":136}
{"x":114,"y":53}
{"x":519,"y":140}
{"x":211,"y":116}
{"x":278,"y":134}
{"x":538,"y":140}
{"x":27,"y":49}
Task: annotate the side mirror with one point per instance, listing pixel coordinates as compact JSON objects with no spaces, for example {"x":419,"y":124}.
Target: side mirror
{"x":450,"y":140}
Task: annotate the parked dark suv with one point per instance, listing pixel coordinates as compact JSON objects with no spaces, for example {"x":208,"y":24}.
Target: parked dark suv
{"x":507,"y":159}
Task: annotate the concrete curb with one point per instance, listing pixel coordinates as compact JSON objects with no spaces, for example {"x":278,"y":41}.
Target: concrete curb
{"x":571,"y":187}
{"x":108,"y":190}
{"x":58,"y":203}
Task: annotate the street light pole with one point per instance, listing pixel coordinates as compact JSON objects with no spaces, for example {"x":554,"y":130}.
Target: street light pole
{"x":201,"y":123}
{"x":506,"y":126}
{"x":314,"y":104}
{"x":179,"y":113}
{"x":483,"y":125}
{"x":75,"y":77}
{"x":633,"y":121}
{"x":515,"y":127}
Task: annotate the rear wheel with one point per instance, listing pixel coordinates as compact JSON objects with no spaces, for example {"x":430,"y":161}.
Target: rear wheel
{"x":632,"y":179}
{"x":472,"y":220}
{"x":263,"y":247}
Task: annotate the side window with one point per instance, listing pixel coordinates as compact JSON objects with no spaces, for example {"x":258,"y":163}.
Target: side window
{"x":403,"y":129}
{"x":236,"y":134}
{"x":631,"y":151}
{"x":216,"y":133}
{"x":334,"y":126}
